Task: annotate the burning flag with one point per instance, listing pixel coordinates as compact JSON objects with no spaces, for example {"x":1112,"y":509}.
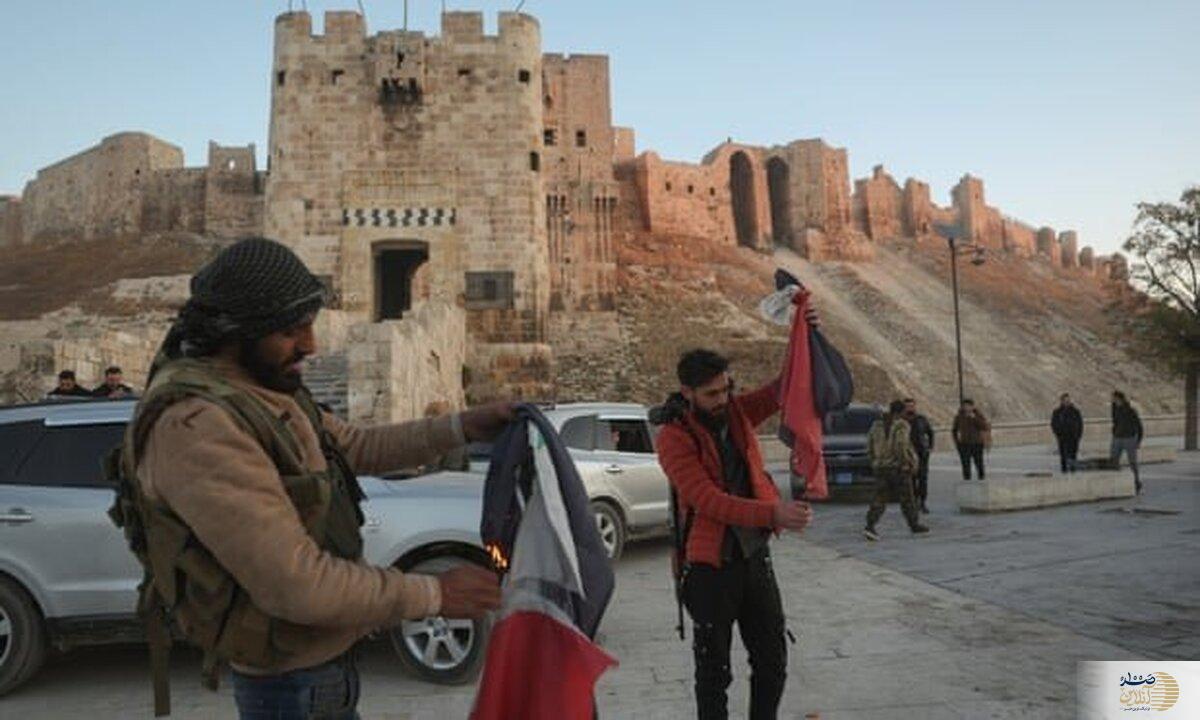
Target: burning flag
{"x":542,"y":662}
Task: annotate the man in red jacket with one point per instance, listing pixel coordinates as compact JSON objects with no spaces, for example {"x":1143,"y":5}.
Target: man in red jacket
{"x":730,"y":507}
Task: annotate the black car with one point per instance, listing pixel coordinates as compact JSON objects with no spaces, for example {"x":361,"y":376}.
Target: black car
{"x":847,"y":468}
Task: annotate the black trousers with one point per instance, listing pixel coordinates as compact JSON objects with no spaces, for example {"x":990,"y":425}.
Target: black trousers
{"x":744,"y":591}
{"x":1068,"y":453}
{"x":921,"y":479}
{"x":968,"y":453}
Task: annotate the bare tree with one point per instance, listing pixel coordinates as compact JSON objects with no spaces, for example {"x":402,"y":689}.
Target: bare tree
{"x":1165,"y":245}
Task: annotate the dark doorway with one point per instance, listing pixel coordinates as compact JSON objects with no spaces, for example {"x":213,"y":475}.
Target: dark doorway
{"x":395,"y":266}
{"x":741,"y":187}
{"x":778,"y":192}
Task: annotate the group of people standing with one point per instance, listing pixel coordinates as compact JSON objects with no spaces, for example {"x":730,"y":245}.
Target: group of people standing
{"x":900,"y":442}
{"x":1127,"y":431}
{"x":112,"y":388}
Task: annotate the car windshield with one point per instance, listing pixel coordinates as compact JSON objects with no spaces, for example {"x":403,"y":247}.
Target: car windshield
{"x":849,"y":422}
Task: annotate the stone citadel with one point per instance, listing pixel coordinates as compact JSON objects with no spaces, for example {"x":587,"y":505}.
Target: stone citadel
{"x":474,"y":189}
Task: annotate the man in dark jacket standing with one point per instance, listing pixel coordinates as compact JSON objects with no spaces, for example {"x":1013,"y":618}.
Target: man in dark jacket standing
{"x":1127,"y":435}
{"x":114,"y":386}
{"x":922,"y":441}
{"x":971,"y":431}
{"x":67,"y":387}
{"x":1067,"y":424}
{"x":712,"y":458}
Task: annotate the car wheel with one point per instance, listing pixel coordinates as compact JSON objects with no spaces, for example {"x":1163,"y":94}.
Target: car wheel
{"x":611,"y":528}
{"x":22,"y":637}
{"x":437,"y":649}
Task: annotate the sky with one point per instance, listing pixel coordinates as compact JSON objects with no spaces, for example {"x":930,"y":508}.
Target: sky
{"x":1071,"y":111}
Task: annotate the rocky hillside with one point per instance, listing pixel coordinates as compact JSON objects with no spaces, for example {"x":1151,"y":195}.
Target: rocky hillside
{"x":1030,"y":331}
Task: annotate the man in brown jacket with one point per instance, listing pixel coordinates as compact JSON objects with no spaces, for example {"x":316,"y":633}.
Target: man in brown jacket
{"x":249,"y":323}
{"x":972,"y":433}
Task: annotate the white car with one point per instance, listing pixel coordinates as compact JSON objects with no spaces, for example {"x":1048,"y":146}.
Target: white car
{"x":612,"y":445}
{"x":54,"y":503}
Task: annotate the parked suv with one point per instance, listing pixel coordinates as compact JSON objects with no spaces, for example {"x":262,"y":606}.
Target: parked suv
{"x":67,"y":577}
{"x":847,"y":466}
{"x":612,"y":445}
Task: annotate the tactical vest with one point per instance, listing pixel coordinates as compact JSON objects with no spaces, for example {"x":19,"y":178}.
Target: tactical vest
{"x":885,"y":450}
{"x":184,"y":586}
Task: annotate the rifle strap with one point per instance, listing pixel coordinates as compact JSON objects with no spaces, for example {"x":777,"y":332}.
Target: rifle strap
{"x":160,"y":655}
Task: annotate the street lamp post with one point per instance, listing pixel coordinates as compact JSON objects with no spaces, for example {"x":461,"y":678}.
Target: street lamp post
{"x":957,"y":321}
{"x":952,"y":233}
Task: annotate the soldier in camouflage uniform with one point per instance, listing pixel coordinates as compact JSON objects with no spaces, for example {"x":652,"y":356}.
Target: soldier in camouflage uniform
{"x":894,"y":462}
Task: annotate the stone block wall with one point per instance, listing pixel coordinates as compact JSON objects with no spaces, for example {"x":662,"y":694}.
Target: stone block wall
{"x":96,"y":193}
{"x":916,"y":209}
{"x":1087,"y":259}
{"x":399,"y":368}
{"x":173,"y":200}
{"x":31,"y":367}
{"x":1047,"y":246}
{"x":401,"y":140}
{"x":684,"y":199}
{"x":1019,"y":238}
{"x":579,"y":145}
{"x":819,"y":186}
{"x":10,"y":221}
{"x":624,"y":144}
{"x":1068,"y":242}
{"x":233,"y":192}
{"x":878,"y":202}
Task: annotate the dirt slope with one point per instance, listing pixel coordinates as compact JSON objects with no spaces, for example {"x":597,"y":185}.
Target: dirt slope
{"x":1030,"y":332}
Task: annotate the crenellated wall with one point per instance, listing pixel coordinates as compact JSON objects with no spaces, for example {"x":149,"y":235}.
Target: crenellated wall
{"x":422,"y":152}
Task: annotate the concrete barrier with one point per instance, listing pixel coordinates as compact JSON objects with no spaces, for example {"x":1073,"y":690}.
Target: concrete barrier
{"x":1020,"y":492}
{"x":1096,"y":455}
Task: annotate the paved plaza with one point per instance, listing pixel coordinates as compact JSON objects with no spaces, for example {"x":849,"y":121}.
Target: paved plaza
{"x":984,"y":618}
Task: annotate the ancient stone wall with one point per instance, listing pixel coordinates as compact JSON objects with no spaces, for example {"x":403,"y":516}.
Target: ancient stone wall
{"x":684,"y":199}
{"x":10,"y":221}
{"x":1019,"y":238}
{"x":724,"y":198}
{"x":173,"y":200}
{"x":1087,"y":259}
{"x":233,"y":192}
{"x":96,"y":193}
{"x":579,"y":145}
{"x":399,"y":368}
{"x":1068,"y":242}
{"x":819,"y":186}
{"x":878,"y":203}
{"x":1047,"y":246}
{"x":624,"y":144}
{"x":916,"y":209}
{"x":412,"y":150}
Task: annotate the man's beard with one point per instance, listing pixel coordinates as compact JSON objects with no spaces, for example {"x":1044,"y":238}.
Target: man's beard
{"x":715,"y":420}
{"x":269,"y":375}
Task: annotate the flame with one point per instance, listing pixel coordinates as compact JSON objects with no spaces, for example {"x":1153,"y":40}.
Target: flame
{"x":498,"y":559}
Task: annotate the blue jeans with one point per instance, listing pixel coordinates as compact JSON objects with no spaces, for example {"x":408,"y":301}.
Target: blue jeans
{"x":324,"y":692}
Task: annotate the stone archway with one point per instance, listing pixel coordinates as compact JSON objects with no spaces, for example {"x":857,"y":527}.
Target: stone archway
{"x":741,"y":190}
{"x":779,"y":195}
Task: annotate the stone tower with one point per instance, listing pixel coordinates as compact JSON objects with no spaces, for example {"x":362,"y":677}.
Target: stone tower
{"x":406,"y":168}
